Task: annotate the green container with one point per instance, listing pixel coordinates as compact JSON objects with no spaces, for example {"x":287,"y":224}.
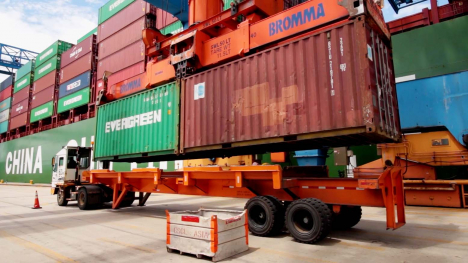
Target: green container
{"x":25,"y":69}
{"x":55,"y":49}
{"x":23,"y":82}
{"x":145,"y":123}
{"x":92,"y":32}
{"x":74,"y":100}
{"x":3,"y":127}
{"x":432,"y":50}
{"x":5,"y":104}
{"x":111,"y":8}
{"x":173,"y":28}
{"x":227,"y":4}
{"x":47,"y":67}
{"x":42,"y":112}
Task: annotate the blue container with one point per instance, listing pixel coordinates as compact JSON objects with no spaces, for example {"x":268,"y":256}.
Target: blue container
{"x":311,"y":157}
{"x":81,"y":82}
{"x":434,"y":102}
{"x":6,"y":83}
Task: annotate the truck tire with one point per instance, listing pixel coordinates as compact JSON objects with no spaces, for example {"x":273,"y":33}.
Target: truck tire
{"x":264,"y":215}
{"x":89,"y":197}
{"x":348,"y":217}
{"x":308,"y":220}
{"x":62,"y":197}
{"x":128,"y":199}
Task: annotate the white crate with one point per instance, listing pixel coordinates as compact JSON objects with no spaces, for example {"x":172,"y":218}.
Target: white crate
{"x":218,"y":234}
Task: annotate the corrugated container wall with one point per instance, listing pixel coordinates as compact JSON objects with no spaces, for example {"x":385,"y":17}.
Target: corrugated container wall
{"x":19,"y":121}
{"x":20,"y":96}
{"x":23,"y":82}
{"x":164,"y":19}
{"x":7,"y":82}
{"x":45,"y":82}
{"x":122,"y":75}
{"x":44,"y":111}
{"x":56,"y":49}
{"x":43,"y":97}
{"x":78,"y":51}
{"x":78,"y":83}
{"x":324,"y":85}
{"x":47,"y":67}
{"x":74,"y":100}
{"x":78,"y":67}
{"x":3,"y":127}
{"x":124,"y":58}
{"x":144,"y":123}
{"x":5,"y":104}
{"x":4,"y":115}
{"x":20,"y":108}
{"x":432,"y":50}
{"x":111,"y":8}
{"x":6,"y":93}
{"x":25,"y":69}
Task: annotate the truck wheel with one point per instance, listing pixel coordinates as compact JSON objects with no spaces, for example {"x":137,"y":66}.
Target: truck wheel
{"x":348,"y":217}
{"x":128,"y":199}
{"x":90,"y":197}
{"x":265,"y":215}
{"x":308,"y":220}
{"x":61,"y":198}
{"x":83,"y":199}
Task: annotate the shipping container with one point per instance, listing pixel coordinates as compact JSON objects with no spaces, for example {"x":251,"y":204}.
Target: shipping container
{"x":47,"y":67}
{"x":320,"y":90}
{"x":25,"y":69}
{"x":45,"y":82}
{"x":4,"y":115}
{"x":56,"y":49}
{"x":142,"y":124}
{"x":5,"y":104}
{"x":43,"y":97}
{"x":20,"y":108}
{"x":127,"y":87}
{"x":23,"y":82}
{"x":76,"y":84}
{"x":92,"y":32}
{"x":124,"y":58}
{"x":74,"y":100}
{"x":6,"y":93}
{"x":122,"y":38}
{"x":111,"y":8}
{"x":78,"y":67}
{"x":44,"y":111}
{"x":79,"y":51}
{"x":19,"y":121}
{"x":7,"y":82}
{"x":164,"y":19}
{"x":20,"y":96}
{"x":122,"y":75}
{"x":3,"y":127}
{"x":440,"y":101}
{"x":133,"y":12}
{"x":173,"y":28}
{"x":432,"y":50}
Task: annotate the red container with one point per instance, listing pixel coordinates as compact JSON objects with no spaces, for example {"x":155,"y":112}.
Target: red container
{"x":78,"y":67}
{"x":19,"y":108}
{"x":124,"y":18}
{"x":20,"y":95}
{"x":122,"y":39}
{"x":19,"y":121}
{"x":164,"y":19}
{"x":6,"y":93}
{"x":45,"y":82}
{"x":122,"y":75}
{"x":318,"y":90}
{"x":124,"y":58}
{"x":80,"y":50}
{"x":127,"y":87}
{"x":43,"y":97}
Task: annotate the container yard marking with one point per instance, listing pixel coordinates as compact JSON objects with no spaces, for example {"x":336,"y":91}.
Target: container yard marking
{"x":143,"y":249}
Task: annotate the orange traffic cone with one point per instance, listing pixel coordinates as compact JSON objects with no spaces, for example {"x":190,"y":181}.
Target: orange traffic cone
{"x":36,"y":203}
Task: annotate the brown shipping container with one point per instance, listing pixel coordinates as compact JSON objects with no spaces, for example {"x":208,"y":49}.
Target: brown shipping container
{"x":121,"y":75}
{"x":320,"y":90}
{"x":19,"y":108}
{"x":6,"y":93}
{"x":78,"y":51}
{"x":124,"y":58}
{"x":76,"y":68}
{"x":43,"y":97}
{"x":124,"y":18}
{"x":164,"y":19}
{"x":45,"y":82}
{"x":19,"y":121}
{"x":20,"y":95}
{"x":122,"y":39}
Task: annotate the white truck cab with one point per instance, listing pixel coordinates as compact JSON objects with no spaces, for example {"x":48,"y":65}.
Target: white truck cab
{"x":69,"y":164}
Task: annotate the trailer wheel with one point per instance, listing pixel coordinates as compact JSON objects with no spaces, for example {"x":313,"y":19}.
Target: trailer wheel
{"x":348,"y":217}
{"x":265,"y":215}
{"x":308,"y":220}
{"x":61,"y":197}
{"x":128,"y":199}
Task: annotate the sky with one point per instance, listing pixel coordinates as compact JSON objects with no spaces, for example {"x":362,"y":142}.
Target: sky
{"x":36,"y":24}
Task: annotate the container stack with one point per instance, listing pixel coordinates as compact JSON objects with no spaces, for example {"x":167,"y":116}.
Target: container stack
{"x":122,"y":51}
{"x":45,"y":86}
{"x":6,"y":90}
{"x":76,"y":89}
{"x":21,"y":98}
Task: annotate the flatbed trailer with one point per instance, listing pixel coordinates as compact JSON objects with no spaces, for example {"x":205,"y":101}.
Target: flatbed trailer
{"x":308,"y":206}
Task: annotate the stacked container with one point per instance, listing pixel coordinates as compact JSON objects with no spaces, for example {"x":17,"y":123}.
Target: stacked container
{"x":6,"y":88}
{"x":121,"y":48}
{"x":76,"y":76}
{"x":46,"y":81}
{"x":21,"y":96}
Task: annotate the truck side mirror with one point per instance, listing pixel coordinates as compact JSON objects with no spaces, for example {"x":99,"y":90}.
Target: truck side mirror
{"x":53,"y":161}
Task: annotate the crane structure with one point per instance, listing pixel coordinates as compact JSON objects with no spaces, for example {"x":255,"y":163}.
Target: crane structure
{"x":12,"y":58}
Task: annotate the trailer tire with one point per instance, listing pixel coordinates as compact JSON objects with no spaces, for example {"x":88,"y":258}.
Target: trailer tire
{"x":128,"y":199}
{"x":308,"y":220}
{"x":348,"y":217}
{"x":62,"y":197}
{"x":264,"y":216}
{"x":279,"y":220}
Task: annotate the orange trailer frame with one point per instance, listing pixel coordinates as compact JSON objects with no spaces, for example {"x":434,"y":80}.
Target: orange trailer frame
{"x":250,"y":181}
